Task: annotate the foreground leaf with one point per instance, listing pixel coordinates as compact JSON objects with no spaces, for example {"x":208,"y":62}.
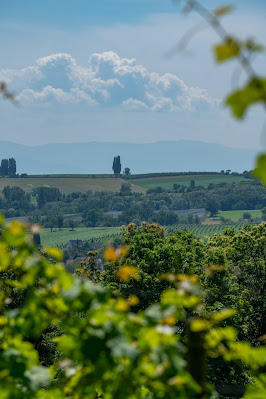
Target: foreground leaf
{"x":260,"y":170}
{"x":241,"y":100}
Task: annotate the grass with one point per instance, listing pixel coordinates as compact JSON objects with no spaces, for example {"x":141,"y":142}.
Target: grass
{"x":61,"y":238}
{"x":68,"y":185}
{"x":236,"y":215}
{"x":200,"y":180}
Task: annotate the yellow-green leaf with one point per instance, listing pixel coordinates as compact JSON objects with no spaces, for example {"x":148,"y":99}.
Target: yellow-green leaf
{"x":224,"y":314}
{"x":241,"y":100}
{"x":55,"y":253}
{"x":200,"y":325}
{"x":251,"y":45}
{"x":219,"y":12}
{"x":260,"y":170}
{"x":230,"y":48}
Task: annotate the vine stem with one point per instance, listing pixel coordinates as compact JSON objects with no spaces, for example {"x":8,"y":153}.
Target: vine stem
{"x":214,"y":22}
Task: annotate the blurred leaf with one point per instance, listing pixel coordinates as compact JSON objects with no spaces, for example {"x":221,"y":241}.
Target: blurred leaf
{"x":127,"y":272}
{"x":133,"y":300}
{"x":219,"y":12}
{"x":54,"y":252}
{"x":122,"y":305}
{"x":5,"y":256}
{"x":15,"y":234}
{"x":257,"y":390}
{"x":200,"y":325}
{"x":224,"y":314}
{"x":171,"y":320}
{"x":230,"y":48}
{"x":121,"y":348}
{"x":39,"y":377}
{"x":110,"y":254}
{"x":251,"y":45}
{"x":241,"y":100}
{"x":260,"y":170}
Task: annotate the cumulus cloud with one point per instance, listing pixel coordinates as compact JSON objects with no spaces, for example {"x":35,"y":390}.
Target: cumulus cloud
{"x":108,"y":80}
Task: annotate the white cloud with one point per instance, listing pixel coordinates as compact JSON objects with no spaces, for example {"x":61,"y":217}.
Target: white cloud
{"x":134,"y":105}
{"x":108,"y":80}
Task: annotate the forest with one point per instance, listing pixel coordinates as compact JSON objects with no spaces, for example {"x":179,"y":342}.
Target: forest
{"x":44,"y":204}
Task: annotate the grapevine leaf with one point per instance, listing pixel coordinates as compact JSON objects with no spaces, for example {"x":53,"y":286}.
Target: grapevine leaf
{"x":221,"y":11}
{"x":241,"y":100}
{"x":260,"y":170}
{"x":230,"y":48}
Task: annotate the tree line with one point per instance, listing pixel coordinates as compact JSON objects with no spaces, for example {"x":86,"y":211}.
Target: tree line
{"x":115,"y":209}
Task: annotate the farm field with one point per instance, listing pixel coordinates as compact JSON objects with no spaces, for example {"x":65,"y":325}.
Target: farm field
{"x":82,"y":183}
{"x":235,"y":215}
{"x":60,"y":238}
{"x":200,"y":180}
{"x":68,"y":185}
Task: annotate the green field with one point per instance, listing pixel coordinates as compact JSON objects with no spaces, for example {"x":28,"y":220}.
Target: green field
{"x":236,"y":215}
{"x":69,"y":185}
{"x":200,"y":180}
{"x":61,"y":238}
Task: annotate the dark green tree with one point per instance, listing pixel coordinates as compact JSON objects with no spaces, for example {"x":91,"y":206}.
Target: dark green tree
{"x":125,"y":189}
{"x":12,"y":166}
{"x":117,"y":165}
{"x":246,"y":215}
{"x":72,"y":224}
{"x":126,"y":172}
{"x":213,"y":205}
{"x":92,"y":217}
{"x":50,"y":222}
{"x":47,"y":194}
{"x":60,"y":220}
{"x":4,"y":167}
{"x":15,"y":197}
{"x":192,"y":184}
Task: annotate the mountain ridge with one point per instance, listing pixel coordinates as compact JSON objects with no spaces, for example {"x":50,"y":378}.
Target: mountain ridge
{"x":97,"y":157}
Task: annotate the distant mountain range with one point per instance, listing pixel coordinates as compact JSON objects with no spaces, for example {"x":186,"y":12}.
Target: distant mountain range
{"x":97,"y":157}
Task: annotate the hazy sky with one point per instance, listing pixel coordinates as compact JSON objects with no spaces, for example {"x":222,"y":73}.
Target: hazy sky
{"x":97,"y":70}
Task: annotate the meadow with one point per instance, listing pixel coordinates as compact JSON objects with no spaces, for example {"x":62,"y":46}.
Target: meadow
{"x":59,"y":238}
{"x":236,"y":215}
{"x":200,"y":180}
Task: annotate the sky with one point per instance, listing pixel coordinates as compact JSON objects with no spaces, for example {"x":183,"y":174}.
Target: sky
{"x":101,"y":70}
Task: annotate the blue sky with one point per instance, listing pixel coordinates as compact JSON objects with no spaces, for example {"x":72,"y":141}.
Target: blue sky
{"x":59,"y":13}
{"x":96,"y":70}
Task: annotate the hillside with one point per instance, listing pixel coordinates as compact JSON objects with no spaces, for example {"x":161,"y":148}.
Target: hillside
{"x":60,"y":238}
{"x":69,"y":185}
{"x":82,"y":183}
